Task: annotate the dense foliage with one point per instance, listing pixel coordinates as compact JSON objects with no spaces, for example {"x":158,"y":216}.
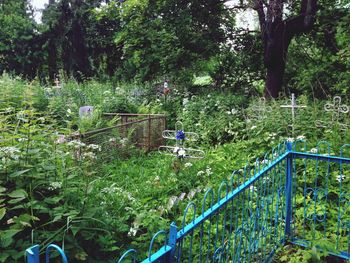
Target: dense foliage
{"x":149,"y":41}
{"x":84,"y":195}
{"x":98,"y":198}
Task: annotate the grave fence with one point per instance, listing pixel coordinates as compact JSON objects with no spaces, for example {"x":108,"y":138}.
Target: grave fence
{"x":293,"y":195}
{"x":144,"y":130}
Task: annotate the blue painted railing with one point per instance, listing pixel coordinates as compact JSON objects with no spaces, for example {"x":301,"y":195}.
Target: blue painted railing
{"x":291,"y":196}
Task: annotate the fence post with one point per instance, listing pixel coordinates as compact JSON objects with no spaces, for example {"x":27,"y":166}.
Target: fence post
{"x":289,"y":181}
{"x":32,"y":254}
{"x":172,"y":242}
{"x":149,"y":133}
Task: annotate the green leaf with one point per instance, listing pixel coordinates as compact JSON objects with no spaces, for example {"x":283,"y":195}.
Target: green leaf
{"x":18,"y":173}
{"x":6,"y":236}
{"x":2,"y":212}
{"x":19,"y":193}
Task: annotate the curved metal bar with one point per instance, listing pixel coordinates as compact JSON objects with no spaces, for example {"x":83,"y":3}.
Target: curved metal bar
{"x":209,"y":191}
{"x":58,"y":249}
{"x":179,"y":126}
{"x":152,"y":241}
{"x":297,"y":142}
{"x":232,"y":182}
{"x":223,"y":183}
{"x":185,"y":213}
{"x":342,"y":148}
{"x":323,"y":143}
{"x":127,"y":253}
{"x":32,"y":254}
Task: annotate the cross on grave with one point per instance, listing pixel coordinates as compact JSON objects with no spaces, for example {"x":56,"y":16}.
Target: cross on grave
{"x":86,"y":111}
{"x":180,"y":150}
{"x":336,"y":108}
{"x":293,"y":106}
{"x":261,"y":109}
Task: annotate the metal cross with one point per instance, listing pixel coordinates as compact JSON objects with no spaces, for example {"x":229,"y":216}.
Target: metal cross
{"x":293,"y":106}
{"x":336,"y":108}
{"x":261,"y":109}
{"x":179,"y":150}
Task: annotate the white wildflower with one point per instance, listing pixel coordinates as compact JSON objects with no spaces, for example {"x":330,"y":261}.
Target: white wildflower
{"x":301,"y":137}
{"x":132,"y":232}
{"x":123,"y":142}
{"x":252,"y":188}
{"x":200,"y":173}
{"x":61,"y":139}
{"x":10,"y":152}
{"x":113,"y":140}
{"x":89,"y":156}
{"x":340,"y":178}
{"x":94,"y":147}
{"x":76,"y":144}
{"x":228,"y":112}
{"x":55,"y":185}
{"x":188,"y":164}
{"x":253,"y":127}
{"x":290,"y":139}
{"x":265,"y":161}
{"x":181,"y":152}
{"x":208,"y":170}
{"x":313,"y":150}
{"x":234,"y":111}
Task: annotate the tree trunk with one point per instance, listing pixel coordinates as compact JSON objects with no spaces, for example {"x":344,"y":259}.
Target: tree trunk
{"x":277,"y":33}
{"x":274,"y":80}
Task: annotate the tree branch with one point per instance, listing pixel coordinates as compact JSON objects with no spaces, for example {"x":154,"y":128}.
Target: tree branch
{"x":304,"y":21}
{"x":259,"y":7}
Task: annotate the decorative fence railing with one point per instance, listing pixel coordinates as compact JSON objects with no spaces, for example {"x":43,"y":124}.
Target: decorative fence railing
{"x":144,"y":130}
{"x":290,"y":196}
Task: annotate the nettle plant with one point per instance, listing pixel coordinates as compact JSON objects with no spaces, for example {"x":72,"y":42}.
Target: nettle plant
{"x":45,"y":182}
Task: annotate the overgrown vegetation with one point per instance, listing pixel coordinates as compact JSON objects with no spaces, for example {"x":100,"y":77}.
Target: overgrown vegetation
{"x":74,"y":193}
{"x":98,"y":198}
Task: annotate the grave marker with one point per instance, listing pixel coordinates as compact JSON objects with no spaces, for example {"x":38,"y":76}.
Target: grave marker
{"x":261,"y":109}
{"x":86,"y":111}
{"x":180,"y":150}
{"x":336,"y":108}
{"x":293,"y":106}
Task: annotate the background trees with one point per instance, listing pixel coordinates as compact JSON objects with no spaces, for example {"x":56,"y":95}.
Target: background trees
{"x":148,"y":41}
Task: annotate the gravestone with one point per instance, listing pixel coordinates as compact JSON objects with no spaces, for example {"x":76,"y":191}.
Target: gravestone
{"x":86,"y":111}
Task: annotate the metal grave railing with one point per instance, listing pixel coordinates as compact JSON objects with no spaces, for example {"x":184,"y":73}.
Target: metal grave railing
{"x":292,"y":195}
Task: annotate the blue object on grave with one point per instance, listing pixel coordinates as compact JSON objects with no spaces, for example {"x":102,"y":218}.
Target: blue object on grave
{"x":180,"y":135}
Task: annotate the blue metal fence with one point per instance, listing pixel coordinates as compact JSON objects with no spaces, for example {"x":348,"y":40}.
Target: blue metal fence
{"x":292,"y":195}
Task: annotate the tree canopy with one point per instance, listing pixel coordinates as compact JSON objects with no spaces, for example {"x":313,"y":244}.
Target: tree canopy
{"x":149,"y":40}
